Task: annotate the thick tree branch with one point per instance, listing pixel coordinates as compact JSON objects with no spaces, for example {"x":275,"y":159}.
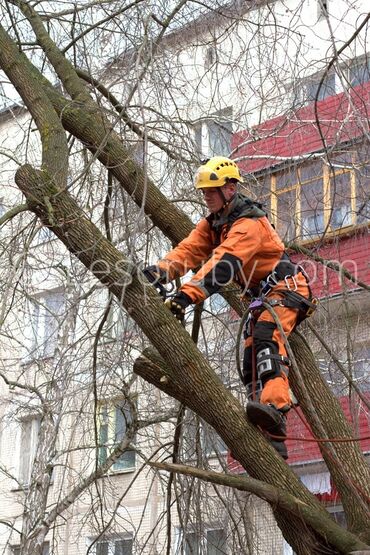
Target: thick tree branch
{"x":336,"y":535}
{"x":349,"y":469}
{"x":189,"y":373}
{"x":54,"y":143}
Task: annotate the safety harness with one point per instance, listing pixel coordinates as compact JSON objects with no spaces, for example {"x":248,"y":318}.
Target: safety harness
{"x":285,"y":271}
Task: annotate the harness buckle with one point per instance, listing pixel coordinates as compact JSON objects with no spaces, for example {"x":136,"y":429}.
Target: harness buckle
{"x":311,"y":309}
{"x":288,"y":284}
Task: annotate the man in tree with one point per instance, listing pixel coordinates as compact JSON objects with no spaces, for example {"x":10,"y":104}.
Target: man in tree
{"x":237,"y":242}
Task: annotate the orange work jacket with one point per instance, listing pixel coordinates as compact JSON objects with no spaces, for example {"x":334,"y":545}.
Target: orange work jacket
{"x":239,"y":244}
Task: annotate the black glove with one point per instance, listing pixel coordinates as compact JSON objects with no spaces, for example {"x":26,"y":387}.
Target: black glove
{"x":178,"y":304}
{"x":155,"y":275}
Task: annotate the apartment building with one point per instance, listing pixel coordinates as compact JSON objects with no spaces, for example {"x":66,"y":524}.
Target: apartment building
{"x":299,"y":130}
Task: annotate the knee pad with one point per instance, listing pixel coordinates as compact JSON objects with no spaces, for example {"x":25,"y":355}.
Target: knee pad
{"x":269,"y":363}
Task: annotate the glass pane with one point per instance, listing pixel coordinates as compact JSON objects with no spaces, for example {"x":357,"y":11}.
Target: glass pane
{"x":126,"y":460}
{"x":258,"y":190}
{"x":122,"y":419}
{"x":312,"y":209}
{"x":102,"y":548}
{"x":362,"y":195}
{"x":340,"y":193}
{"x":25,"y":452}
{"x":342,"y":160}
{"x":360,"y":73}
{"x":212,"y":442}
{"x":311,"y":170}
{"x":54,"y":303}
{"x":191,"y":544}
{"x":216,"y":542}
{"x":287,"y":178}
{"x":218,"y":304}
{"x":103,"y":435}
{"x":361,"y":367}
{"x":363,"y":154}
{"x":123,"y":547}
{"x":198,"y":138}
{"x":340,"y":518}
{"x":219,"y":137}
{"x":327,"y":88}
{"x":286,"y":215}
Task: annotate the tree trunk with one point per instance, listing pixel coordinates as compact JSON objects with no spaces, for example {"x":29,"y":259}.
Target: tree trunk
{"x":189,"y":375}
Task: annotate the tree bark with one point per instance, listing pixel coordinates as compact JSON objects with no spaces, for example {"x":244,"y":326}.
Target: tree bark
{"x":88,"y":124}
{"x":189,"y":374}
{"x":348,"y":467}
{"x":337,"y":536}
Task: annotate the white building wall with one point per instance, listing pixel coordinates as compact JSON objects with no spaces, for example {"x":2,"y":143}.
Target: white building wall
{"x":253,"y":76}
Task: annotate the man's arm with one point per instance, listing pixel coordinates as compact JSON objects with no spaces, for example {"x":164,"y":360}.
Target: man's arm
{"x":190,"y":253}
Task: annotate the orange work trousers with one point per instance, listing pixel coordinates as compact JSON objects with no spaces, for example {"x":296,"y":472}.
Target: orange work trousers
{"x":276,"y":389}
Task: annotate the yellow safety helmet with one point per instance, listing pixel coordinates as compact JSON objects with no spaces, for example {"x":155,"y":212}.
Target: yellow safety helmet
{"x":215,"y":172}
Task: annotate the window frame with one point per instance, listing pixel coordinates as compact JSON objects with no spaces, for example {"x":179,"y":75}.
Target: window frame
{"x":202,"y":134}
{"x":356,"y":69}
{"x":112,"y":405}
{"x":326,"y":177}
{"x":211,"y":444}
{"x":111,"y":541}
{"x":34,"y":421}
{"x":16,"y":549}
{"x":181,"y":545}
{"x":38,"y":324}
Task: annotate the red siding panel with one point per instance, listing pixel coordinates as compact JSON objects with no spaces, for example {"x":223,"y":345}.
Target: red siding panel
{"x":352,"y":252}
{"x":302,"y":447}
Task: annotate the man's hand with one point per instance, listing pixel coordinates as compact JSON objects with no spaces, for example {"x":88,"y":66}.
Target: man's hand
{"x":155,"y":275}
{"x":178,"y":304}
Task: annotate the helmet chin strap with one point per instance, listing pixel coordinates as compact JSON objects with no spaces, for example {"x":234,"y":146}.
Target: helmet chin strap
{"x":224,"y":200}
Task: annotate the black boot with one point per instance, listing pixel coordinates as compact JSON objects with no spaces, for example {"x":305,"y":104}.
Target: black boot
{"x":270,"y":420}
{"x":280,"y":447}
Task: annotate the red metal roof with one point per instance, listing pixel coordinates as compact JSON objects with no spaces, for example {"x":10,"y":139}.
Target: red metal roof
{"x":342,"y":118}
{"x":302,"y":451}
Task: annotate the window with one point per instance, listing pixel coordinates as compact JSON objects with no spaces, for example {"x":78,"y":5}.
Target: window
{"x":112,"y":546}
{"x":322,"y":8}
{"x":338,"y":515}
{"x":118,"y":325}
{"x":114,"y":419}
{"x":212,"y":443}
{"x":317,"y":196}
{"x":16,"y":550}
{"x":27,"y":448}
{"x":210,"y":56}
{"x":43,"y":325}
{"x":211,"y":542}
{"x":218,"y":304}
{"x":315,"y":88}
{"x":359,"y":72}
{"x":307,"y":89}
{"x":361,"y":367}
{"x":197,"y":433}
{"x":212,"y":136}
{"x":44,"y":235}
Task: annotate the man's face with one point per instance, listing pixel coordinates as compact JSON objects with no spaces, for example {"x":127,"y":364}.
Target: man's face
{"x":214,"y":200}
